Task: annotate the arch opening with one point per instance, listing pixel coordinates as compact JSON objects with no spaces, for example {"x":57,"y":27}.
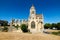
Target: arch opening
{"x":32,"y":24}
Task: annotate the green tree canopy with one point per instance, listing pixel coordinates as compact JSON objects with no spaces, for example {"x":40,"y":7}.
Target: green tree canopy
{"x":58,"y":26}
{"x":24,"y":28}
{"x":47,"y":25}
{"x":52,"y":25}
{"x":3,"y":23}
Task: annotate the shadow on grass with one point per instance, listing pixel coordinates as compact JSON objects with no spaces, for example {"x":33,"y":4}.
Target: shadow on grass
{"x":56,"y":33}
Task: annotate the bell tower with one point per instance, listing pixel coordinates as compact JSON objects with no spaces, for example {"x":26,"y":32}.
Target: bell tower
{"x":32,"y":11}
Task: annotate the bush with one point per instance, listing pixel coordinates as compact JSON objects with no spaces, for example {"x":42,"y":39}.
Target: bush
{"x":5,"y":29}
{"x":24,"y":28}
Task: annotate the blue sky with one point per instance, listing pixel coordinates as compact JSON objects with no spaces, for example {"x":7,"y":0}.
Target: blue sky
{"x":19,"y":9}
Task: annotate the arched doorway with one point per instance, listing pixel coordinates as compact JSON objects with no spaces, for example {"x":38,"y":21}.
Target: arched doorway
{"x":32,"y":24}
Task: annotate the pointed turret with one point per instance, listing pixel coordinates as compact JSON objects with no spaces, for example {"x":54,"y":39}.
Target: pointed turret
{"x":32,"y":7}
{"x":32,"y":10}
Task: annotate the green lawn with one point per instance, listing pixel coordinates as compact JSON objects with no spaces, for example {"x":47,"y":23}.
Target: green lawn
{"x":56,"y":33}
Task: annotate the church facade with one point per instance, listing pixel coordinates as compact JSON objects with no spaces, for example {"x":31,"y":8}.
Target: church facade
{"x":34,"y":22}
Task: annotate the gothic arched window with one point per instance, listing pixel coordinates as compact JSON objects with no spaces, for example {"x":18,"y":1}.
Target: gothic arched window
{"x":32,"y":24}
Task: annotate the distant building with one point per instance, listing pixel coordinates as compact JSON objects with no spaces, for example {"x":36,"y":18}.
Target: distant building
{"x":35,"y":21}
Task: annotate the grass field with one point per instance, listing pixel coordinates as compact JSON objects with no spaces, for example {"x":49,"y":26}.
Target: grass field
{"x":27,"y":36}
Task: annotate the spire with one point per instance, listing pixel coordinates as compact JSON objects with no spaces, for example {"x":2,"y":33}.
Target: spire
{"x":32,"y":6}
{"x":32,"y":9}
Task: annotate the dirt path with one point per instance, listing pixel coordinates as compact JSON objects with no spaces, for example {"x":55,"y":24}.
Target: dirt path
{"x":26,"y":36}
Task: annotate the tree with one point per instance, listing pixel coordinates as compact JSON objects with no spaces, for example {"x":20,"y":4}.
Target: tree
{"x":24,"y":28}
{"x":53,"y":25}
{"x":58,"y":26}
{"x":47,"y":25}
{"x":3,"y":23}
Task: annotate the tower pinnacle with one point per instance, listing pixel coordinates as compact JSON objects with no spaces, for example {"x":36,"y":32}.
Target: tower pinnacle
{"x":32,"y":7}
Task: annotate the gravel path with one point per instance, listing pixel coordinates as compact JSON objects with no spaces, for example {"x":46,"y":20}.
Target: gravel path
{"x":26,"y":36}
